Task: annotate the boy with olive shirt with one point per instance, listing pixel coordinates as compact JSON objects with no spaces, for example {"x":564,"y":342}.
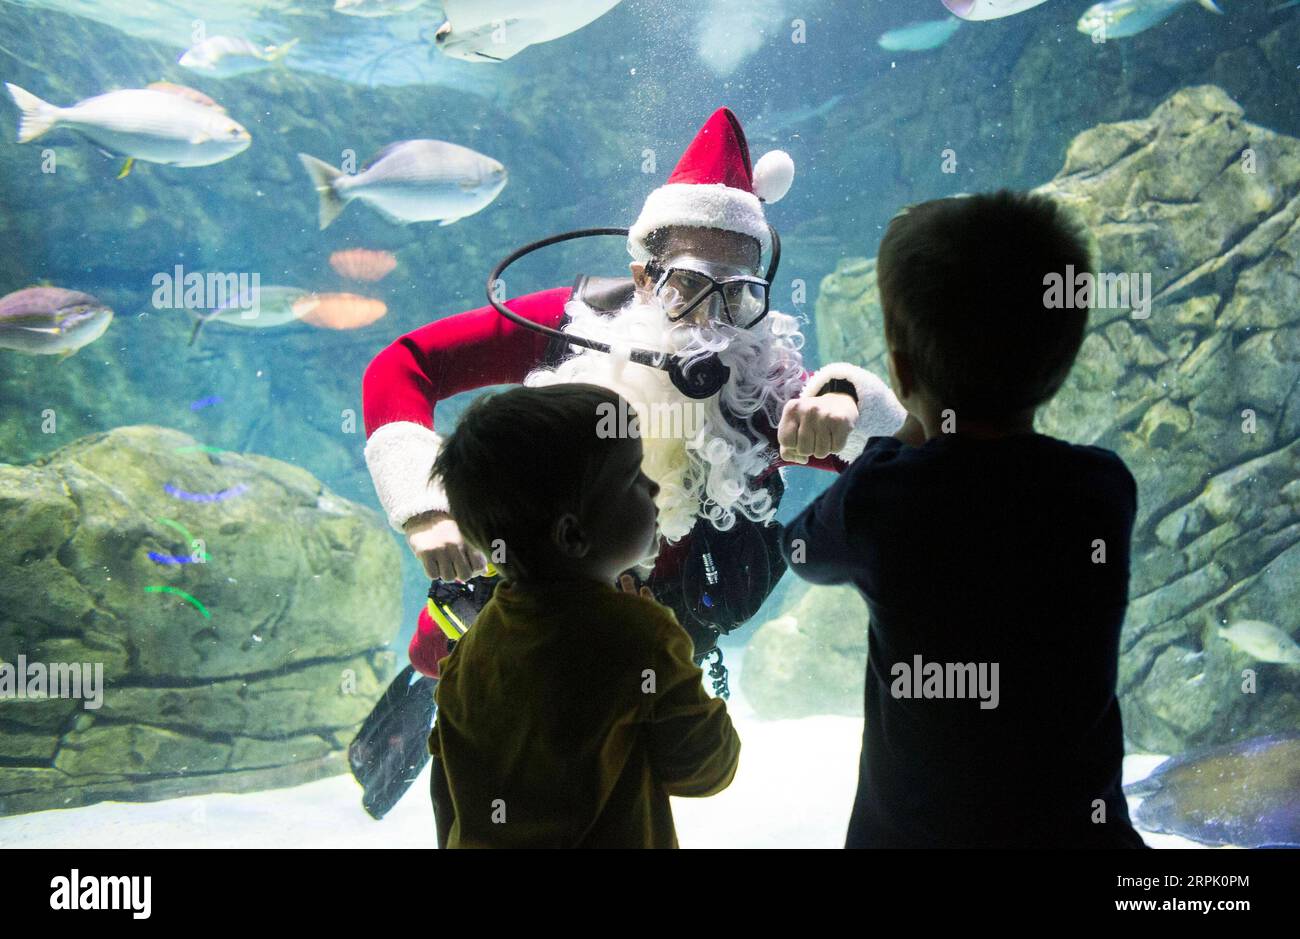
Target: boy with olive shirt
{"x":572,"y":710}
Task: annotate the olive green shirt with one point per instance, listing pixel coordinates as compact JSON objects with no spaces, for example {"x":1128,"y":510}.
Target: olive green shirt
{"x":566,"y":718}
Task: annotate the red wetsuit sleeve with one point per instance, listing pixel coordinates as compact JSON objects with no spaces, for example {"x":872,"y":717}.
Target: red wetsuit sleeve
{"x":470,"y":350}
{"x":405,"y":382}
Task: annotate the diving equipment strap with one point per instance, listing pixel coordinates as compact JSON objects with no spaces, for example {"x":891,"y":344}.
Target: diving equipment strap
{"x":441,"y":604}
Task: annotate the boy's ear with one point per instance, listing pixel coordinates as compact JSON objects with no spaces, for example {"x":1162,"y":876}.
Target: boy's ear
{"x":567,"y":535}
{"x":900,"y":375}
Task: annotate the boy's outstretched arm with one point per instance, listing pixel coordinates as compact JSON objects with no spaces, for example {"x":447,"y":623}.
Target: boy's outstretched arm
{"x":694,"y":748}
{"x":815,"y":544}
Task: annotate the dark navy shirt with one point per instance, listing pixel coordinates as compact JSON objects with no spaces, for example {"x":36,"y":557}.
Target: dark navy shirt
{"x":971,"y":552}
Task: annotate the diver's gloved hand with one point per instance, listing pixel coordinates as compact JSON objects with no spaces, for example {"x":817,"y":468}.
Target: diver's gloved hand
{"x":435,"y":539}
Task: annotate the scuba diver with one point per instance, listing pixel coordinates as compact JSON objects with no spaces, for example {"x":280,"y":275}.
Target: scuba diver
{"x":688,"y":339}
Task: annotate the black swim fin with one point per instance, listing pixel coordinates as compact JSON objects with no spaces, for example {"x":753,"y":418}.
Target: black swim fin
{"x":392,"y":746}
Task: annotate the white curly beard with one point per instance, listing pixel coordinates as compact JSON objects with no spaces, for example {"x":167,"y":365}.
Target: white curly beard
{"x":711,"y":470}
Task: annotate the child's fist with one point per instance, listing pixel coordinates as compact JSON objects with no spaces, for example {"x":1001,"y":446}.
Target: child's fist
{"x":816,"y":426}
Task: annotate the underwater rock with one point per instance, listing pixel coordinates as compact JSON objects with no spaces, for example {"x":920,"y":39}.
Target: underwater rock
{"x":1200,"y":398}
{"x":811,"y":659}
{"x":240,"y":612}
{"x":1245,"y":794}
{"x":1163,"y":423}
{"x":848,"y":315}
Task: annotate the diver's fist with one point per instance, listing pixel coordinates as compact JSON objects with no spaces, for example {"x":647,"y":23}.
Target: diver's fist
{"x":436,"y":540}
{"x":816,"y":426}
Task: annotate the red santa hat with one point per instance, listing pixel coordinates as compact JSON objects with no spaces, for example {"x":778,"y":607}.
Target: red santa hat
{"x":715,"y":186}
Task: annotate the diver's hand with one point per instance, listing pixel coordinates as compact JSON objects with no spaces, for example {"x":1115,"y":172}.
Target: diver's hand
{"x":436,"y":540}
{"x":627,"y":583}
{"x":816,"y":426}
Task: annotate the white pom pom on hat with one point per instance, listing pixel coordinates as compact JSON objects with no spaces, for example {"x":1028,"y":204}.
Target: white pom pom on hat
{"x":773,"y":174}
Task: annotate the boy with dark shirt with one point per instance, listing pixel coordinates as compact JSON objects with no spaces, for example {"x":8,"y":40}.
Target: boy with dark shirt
{"x":994,"y":559}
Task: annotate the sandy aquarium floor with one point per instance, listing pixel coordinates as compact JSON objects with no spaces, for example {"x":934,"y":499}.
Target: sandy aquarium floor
{"x":794,"y":789}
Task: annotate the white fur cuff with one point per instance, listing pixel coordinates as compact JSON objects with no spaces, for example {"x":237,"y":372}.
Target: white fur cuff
{"x":400,"y":456}
{"x":879,"y":413}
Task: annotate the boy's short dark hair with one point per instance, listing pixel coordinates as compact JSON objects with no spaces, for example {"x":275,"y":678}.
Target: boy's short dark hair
{"x":962,"y":286}
{"x":517,"y":460}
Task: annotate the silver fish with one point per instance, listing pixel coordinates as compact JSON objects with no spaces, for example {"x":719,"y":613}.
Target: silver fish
{"x":496,"y":30}
{"x":411,"y":181}
{"x":227,"y":56}
{"x":51,"y":321}
{"x":147,"y":124}
{"x":989,"y":9}
{"x":1118,"y":19}
{"x":375,"y":7}
{"x":1262,"y":641}
{"x":918,"y":37}
{"x":266,"y":308}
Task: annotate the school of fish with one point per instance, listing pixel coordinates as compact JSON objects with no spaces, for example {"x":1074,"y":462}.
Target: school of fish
{"x":406,"y":181}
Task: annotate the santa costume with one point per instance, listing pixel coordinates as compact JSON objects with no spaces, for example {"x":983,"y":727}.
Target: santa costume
{"x":718,"y":487}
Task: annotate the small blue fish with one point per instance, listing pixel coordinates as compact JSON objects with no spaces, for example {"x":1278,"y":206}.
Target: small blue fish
{"x":170,"y":558}
{"x":236,"y":490}
{"x":1118,"y":19}
{"x":918,"y":37}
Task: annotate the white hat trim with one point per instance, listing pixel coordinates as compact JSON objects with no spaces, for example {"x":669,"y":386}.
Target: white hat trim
{"x":698,"y":205}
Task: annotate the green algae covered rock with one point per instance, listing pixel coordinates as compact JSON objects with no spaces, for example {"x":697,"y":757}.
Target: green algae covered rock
{"x":238,"y":609}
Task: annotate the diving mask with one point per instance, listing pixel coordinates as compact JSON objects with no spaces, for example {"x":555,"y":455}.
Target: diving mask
{"x":688,"y":285}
